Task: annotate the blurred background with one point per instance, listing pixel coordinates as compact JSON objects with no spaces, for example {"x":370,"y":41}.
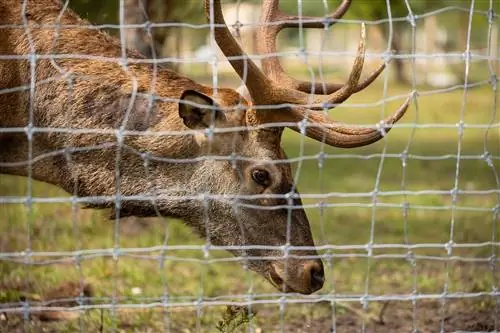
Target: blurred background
{"x":434,"y":30}
{"x":421,"y":254}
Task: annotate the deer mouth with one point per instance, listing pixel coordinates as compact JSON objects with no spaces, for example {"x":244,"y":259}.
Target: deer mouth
{"x":278,"y":282}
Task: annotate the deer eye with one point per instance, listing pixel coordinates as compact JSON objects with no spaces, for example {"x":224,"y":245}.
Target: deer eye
{"x":261,"y":177}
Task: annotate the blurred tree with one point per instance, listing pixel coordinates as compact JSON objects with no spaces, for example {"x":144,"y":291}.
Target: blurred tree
{"x":455,"y":21}
{"x":162,"y":41}
{"x":97,"y":12}
{"x":158,"y":41}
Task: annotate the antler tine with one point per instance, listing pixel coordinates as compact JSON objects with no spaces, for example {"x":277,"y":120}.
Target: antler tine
{"x":341,"y":135}
{"x":319,"y":102}
{"x":292,"y":21}
{"x":268,"y":34}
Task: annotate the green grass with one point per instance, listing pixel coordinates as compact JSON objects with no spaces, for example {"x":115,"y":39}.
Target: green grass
{"x":353,"y":221}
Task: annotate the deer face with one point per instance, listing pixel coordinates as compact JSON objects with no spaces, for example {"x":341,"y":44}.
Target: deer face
{"x":269,"y":211}
{"x":259,"y":205}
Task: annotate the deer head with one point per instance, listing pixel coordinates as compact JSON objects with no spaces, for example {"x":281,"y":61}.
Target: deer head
{"x":210,"y":157}
{"x":301,"y":102}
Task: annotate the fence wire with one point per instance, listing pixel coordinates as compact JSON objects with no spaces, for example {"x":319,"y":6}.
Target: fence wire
{"x":394,"y":195}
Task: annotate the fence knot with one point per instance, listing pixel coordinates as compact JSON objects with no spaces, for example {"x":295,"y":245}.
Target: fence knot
{"x":411,"y":19}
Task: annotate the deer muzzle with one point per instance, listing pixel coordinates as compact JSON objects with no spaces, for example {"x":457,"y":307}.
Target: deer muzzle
{"x":301,"y":276}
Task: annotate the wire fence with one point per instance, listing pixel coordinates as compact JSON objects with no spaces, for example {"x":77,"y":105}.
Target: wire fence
{"x":407,"y":228}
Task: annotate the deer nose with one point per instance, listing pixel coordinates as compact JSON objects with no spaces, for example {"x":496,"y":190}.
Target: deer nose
{"x":313,"y":271}
{"x":304,"y":277}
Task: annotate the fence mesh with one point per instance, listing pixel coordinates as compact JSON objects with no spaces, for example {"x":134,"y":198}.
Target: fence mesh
{"x":407,"y":228}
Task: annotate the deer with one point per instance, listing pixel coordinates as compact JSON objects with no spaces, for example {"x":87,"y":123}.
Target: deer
{"x":81,"y":111}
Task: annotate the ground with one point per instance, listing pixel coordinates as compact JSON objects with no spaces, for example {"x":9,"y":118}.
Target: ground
{"x":453,"y":287}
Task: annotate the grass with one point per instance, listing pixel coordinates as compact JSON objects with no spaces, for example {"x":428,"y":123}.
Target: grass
{"x":349,"y":223}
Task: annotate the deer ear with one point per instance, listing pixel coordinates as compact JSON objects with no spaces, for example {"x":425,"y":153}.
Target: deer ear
{"x":198,"y":111}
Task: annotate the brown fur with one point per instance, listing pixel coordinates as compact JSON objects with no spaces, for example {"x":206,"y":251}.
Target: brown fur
{"x":84,"y":93}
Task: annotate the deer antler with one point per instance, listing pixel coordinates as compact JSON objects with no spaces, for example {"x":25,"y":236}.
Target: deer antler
{"x":269,"y":32}
{"x":280,"y":88}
